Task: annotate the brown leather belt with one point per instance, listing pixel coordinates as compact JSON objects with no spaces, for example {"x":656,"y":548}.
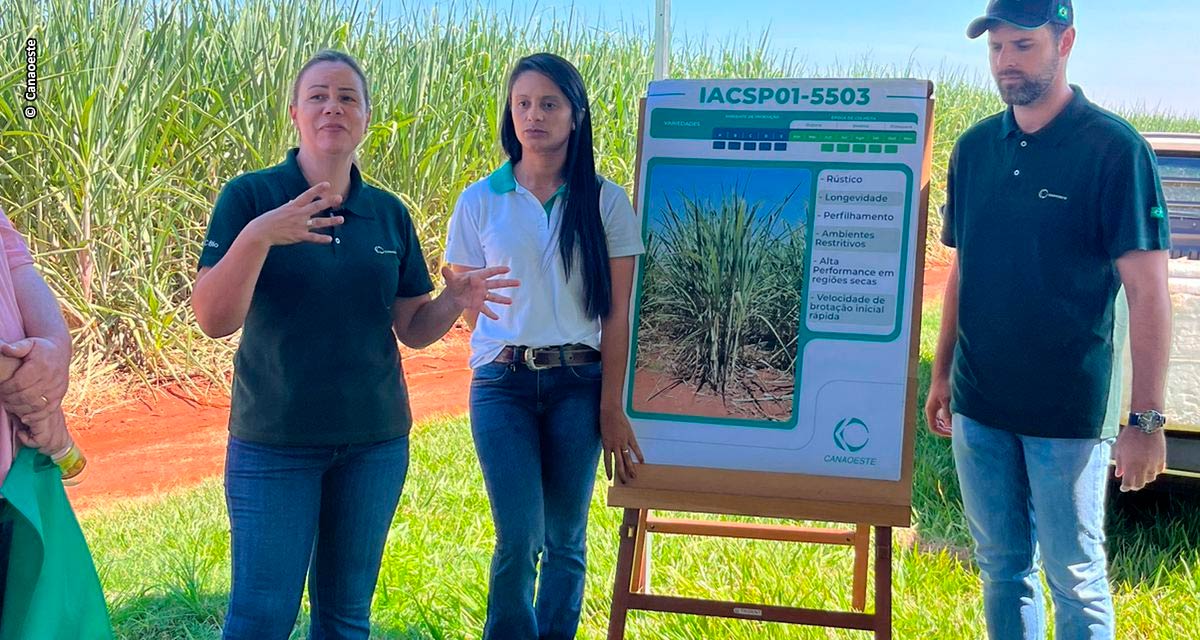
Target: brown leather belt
{"x":568,"y":355}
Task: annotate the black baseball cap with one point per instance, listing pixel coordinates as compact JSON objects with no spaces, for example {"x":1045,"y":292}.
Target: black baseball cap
{"x":1023,"y":14}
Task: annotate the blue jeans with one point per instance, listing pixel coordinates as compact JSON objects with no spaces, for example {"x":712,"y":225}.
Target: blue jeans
{"x":537,"y":434}
{"x":1026,"y":497}
{"x":324,"y":511}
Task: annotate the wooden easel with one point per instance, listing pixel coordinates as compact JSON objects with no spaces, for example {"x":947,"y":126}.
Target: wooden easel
{"x":631,"y":590}
{"x":868,"y":503}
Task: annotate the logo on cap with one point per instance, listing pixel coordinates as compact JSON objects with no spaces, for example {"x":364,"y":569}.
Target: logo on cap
{"x":1063,"y":11}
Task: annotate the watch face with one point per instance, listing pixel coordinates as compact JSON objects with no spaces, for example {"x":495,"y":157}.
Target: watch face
{"x":1150,"y":421}
{"x":1158,"y":419}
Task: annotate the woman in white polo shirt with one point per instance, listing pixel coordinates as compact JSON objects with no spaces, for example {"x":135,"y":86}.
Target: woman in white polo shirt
{"x":546,"y":392}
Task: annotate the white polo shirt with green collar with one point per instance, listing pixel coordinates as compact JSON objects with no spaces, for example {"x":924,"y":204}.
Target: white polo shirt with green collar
{"x":498,"y":222}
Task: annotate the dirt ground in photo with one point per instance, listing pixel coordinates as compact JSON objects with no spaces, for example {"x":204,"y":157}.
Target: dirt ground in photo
{"x":656,"y":391}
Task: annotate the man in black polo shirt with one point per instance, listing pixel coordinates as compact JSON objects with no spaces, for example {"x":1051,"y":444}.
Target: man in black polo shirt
{"x":1052,"y":206}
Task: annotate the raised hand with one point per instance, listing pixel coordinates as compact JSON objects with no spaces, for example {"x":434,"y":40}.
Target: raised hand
{"x":293,"y":222}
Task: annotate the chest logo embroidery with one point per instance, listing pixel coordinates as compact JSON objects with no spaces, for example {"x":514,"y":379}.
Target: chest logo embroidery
{"x":1045,"y":193}
{"x":384,"y":252}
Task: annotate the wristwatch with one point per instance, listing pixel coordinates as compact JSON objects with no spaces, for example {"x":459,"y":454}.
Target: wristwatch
{"x":1147,"y":421}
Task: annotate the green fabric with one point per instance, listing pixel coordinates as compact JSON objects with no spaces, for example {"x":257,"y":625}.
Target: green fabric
{"x":1039,"y":220}
{"x":318,"y":363}
{"x":53,"y":592}
{"x":549,"y":204}
{"x":502,"y":180}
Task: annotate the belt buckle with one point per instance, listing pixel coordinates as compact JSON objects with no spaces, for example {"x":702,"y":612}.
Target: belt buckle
{"x":530,"y":360}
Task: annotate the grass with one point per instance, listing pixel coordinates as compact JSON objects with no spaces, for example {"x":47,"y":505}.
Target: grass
{"x":148,"y":107}
{"x":722,"y":294}
{"x":164,"y":562}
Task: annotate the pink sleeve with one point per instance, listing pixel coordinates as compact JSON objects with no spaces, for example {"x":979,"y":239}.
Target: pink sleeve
{"x":15,"y":250}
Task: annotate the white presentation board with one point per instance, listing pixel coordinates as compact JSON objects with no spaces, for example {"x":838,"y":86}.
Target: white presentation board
{"x":772,"y":318}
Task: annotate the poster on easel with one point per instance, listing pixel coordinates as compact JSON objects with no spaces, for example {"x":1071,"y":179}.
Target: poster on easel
{"x":773,"y":319}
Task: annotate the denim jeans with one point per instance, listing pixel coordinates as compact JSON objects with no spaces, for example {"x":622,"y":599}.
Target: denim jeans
{"x":1027,"y":499}
{"x":324,"y":511}
{"x":537,"y":434}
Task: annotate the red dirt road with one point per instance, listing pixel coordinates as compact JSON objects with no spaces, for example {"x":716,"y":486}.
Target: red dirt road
{"x":161,"y":440}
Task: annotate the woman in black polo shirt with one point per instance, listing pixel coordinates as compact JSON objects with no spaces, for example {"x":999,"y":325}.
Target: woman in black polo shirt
{"x":323,"y":273}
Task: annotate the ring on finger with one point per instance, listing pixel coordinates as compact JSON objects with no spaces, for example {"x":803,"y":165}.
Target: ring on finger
{"x":310,"y":222}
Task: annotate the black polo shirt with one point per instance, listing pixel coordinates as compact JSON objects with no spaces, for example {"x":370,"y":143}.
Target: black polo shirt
{"x":1039,"y":220}
{"x":318,"y":362}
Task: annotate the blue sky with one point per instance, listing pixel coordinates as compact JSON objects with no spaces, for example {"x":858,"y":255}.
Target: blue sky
{"x":1130,"y":53}
{"x":758,"y":184}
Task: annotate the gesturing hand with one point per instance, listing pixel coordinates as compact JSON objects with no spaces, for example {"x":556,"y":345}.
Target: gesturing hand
{"x":293,"y":221}
{"x":472,"y":289}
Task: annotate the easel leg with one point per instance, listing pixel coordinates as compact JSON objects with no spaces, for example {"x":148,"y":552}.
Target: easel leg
{"x":883,"y":583}
{"x":624,"y":577}
{"x":641,"y":552}
{"x":862,"y":550}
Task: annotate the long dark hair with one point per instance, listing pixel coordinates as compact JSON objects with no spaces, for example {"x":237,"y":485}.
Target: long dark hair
{"x":581,"y":231}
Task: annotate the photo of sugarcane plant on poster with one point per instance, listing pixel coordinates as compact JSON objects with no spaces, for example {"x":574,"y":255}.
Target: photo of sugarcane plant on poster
{"x":723,"y":280}
{"x":771,"y":326}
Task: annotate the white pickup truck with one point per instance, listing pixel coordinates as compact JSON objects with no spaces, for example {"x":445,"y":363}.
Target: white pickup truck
{"x":1179,"y":167}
